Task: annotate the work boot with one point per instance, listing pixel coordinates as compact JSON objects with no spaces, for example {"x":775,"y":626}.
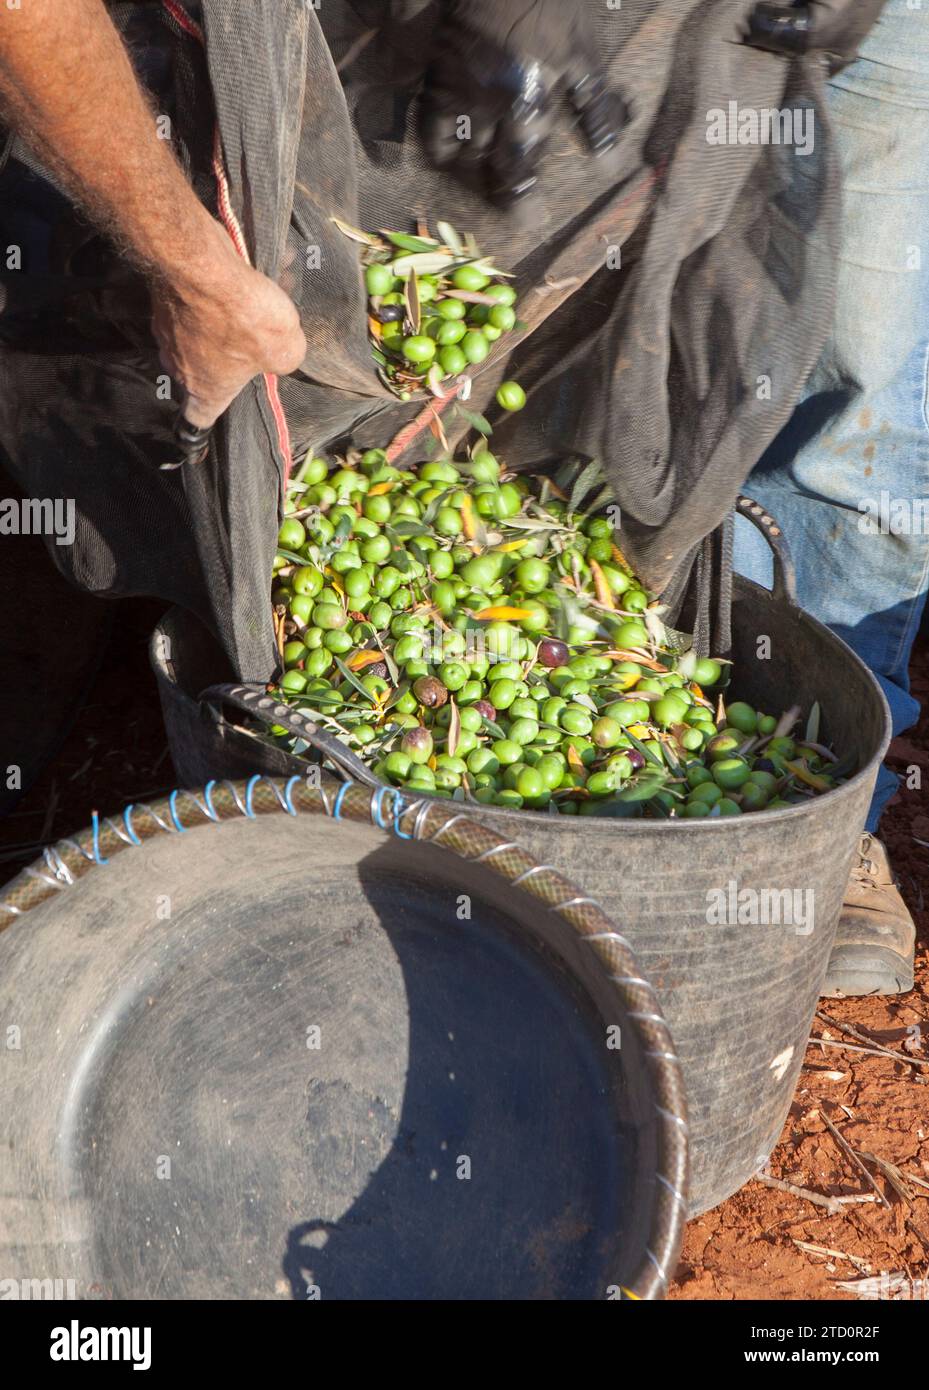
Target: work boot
{"x":876,"y":936}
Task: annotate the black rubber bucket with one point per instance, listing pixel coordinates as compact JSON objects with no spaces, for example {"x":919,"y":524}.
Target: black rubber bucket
{"x":260,"y":1047}
{"x":739,"y":997}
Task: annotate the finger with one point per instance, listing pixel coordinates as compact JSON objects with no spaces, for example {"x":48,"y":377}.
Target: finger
{"x":201,"y":413}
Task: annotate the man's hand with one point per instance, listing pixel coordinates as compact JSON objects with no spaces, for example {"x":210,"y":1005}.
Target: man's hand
{"x":219,"y":328}
{"x":67,"y":86}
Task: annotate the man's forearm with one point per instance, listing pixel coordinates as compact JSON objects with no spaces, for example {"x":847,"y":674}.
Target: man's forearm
{"x":67,"y":85}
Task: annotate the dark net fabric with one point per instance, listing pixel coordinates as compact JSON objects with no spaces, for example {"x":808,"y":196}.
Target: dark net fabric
{"x":674,"y":371}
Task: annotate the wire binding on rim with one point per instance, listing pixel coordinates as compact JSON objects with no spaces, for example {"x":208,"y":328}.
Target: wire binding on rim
{"x":536,"y":869}
{"x":45,"y":878}
{"x":57,"y":865}
{"x":495,"y":849}
{"x":172,"y":803}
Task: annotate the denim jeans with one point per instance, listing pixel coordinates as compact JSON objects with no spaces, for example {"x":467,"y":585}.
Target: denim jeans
{"x":848,"y":476}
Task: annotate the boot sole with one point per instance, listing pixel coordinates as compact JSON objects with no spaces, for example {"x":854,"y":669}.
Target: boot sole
{"x":860,"y":970}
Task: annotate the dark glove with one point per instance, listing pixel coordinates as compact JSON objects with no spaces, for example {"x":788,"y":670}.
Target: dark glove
{"x":503,"y":65}
{"x":832,"y":27}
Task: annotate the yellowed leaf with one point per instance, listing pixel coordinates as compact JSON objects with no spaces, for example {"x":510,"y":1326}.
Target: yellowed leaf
{"x":640,"y":658}
{"x":575,"y":762}
{"x":620,"y":558}
{"x":803,"y":774}
{"x":503,"y":613}
{"x":467,"y":517}
{"x":359,"y":660}
{"x":603,"y":590}
{"x":454,"y":728}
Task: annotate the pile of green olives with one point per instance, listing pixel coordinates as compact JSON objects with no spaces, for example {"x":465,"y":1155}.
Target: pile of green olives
{"x":469,"y":636}
{"x":435,"y":311}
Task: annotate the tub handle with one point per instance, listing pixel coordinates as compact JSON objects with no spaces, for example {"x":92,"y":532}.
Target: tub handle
{"x":254,"y":700}
{"x":785,"y":574}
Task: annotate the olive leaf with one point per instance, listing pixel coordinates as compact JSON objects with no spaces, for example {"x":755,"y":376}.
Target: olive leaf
{"x":566,"y":473}
{"x":596,"y":504}
{"x":291,"y":556}
{"x":845,"y":765}
{"x":342,"y":531}
{"x":476,"y":421}
{"x":643,"y":788}
{"x":353,"y":680}
{"x":398,"y":694}
{"x":434,"y":381}
{"x":422,"y":263}
{"x":454,"y":727}
{"x":585,"y":480}
{"x":404,"y":242}
{"x":656,"y":628}
{"x":646,"y":752}
{"x":411,"y":297}
{"x":432,"y":511}
{"x":398,"y":556}
{"x":669,"y":755}
{"x":451,"y":238}
{"x":687,"y":664}
{"x":485,"y":263}
{"x":407,"y":528}
{"x":323,"y":718}
{"x":812,"y":723}
{"x":355,"y":233}
{"x":472,"y":297}
{"x":491,"y":728}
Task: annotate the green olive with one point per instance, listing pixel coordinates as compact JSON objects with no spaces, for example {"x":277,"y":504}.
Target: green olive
{"x":418,"y":348}
{"x":291,"y":536}
{"x":470,"y":278}
{"x":379,"y":279}
{"x":742,"y":717}
{"x":510,"y":395}
{"x":504,"y":294}
{"x":502,"y":316}
{"x":731,"y":773}
{"x":532,"y":575}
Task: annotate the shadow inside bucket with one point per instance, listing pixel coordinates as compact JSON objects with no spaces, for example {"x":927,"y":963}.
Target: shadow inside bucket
{"x":501,"y":1174}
